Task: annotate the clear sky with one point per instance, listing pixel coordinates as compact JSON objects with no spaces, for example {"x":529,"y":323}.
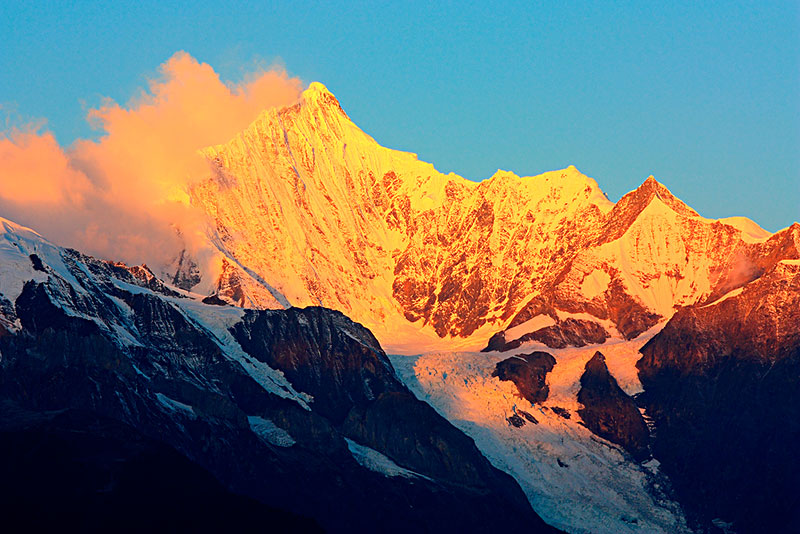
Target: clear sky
{"x":704,"y":95}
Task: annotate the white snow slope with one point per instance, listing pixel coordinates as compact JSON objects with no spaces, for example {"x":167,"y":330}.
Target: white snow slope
{"x":574,"y":480}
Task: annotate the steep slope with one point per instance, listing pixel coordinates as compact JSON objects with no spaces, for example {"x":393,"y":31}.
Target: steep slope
{"x":721,"y":383}
{"x":307,"y":209}
{"x":296,"y":410}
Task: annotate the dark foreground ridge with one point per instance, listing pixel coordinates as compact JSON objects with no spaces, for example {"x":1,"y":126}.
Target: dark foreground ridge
{"x":75,"y":470}
{"x":721,"y":383}
{"x":114,"y":385}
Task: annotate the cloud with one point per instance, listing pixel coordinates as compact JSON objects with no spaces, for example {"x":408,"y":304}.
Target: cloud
{"x":124,"y":196}
{"x":36,"y":171}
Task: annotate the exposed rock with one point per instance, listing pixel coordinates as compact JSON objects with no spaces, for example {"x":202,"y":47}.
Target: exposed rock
{"x":609,"y":412}
{"x":528,"y":416}
{"x":529,"y":374}
{"x":561,"y":412}
{"x":515,"y":420}
{"x":321,"y":352}
{"x":496,"y":342}
{"x":570,"y":332}
{"x":187,"y":272}
{"x":215,"y":300}
{"x":36,"y":261}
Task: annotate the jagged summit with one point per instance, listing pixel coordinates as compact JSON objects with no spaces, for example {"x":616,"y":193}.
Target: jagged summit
{"x":633,"y":204}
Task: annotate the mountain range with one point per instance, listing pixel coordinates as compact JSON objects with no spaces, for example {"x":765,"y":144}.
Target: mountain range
{"x":383,"y":346}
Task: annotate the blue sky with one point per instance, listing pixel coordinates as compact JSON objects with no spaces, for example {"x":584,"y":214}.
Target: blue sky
{"x":705,"y":96}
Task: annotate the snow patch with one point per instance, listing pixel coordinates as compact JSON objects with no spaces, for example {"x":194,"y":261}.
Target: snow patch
{"x":270,"y":432}
{"x":173,"y":406}
{"x":595,"y":284}
{"x":726,"y":296}
{"x":378,"y":462}
{"x":531,"y":325}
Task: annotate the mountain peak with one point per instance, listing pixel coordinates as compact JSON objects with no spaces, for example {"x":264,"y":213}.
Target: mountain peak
{"x":318,"y":95}
{"x":631,"y":205}
{"x":651,"y":188}
{"x":317,"y":88}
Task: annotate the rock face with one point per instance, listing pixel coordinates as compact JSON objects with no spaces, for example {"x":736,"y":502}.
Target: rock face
{"x":570,"y":332}
{"x":529,"y":374}
{"x":294,"y":416}
{"x":609,"y":412}
{"x":721,"y":383}
{"x":307,"y":209}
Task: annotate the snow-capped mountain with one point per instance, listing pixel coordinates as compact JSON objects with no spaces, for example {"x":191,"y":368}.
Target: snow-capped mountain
{"x":308,"y":209}
{"x":110,"y":374}
{"x":558,"y":285}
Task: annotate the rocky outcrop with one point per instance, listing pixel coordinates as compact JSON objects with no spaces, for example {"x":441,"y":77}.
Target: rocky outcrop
{"x":570,"y":332}
{"x":321,"y":352}
{"x":529,"y":374}
{"x":720,"y":382}
{"x":609,"y":412}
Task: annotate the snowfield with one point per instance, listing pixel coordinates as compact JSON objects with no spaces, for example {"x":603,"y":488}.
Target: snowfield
{"x":576,"y":481}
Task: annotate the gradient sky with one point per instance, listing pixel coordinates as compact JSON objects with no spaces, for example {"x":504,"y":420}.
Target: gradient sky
{"x":704,"y":95}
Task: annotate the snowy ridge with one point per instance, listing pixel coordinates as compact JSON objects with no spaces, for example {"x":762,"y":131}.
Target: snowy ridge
{"x":17,"y":244}
{"x":309,"y":207}
{"x":83,"y":288}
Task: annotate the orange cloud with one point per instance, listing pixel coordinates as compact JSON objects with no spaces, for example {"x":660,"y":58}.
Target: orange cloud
{"x":35,"y":170}
{"x":124,"y":196}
